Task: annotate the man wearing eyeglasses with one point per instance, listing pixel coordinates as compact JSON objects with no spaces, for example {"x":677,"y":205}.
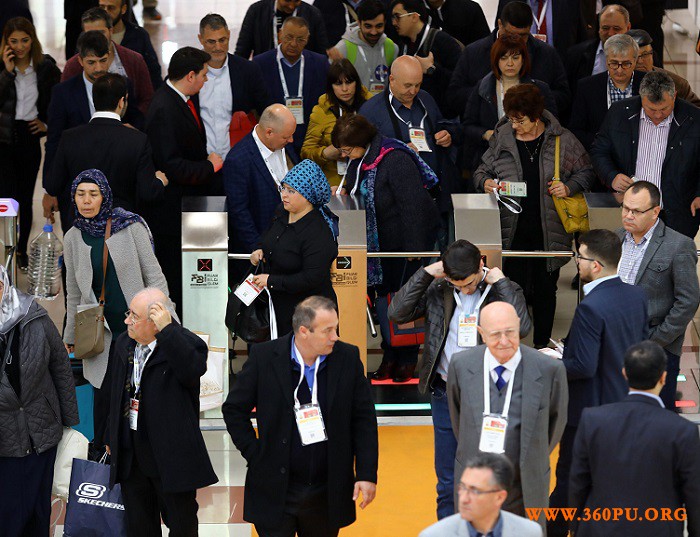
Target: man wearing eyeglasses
{"x":483,"y":488}
{"x":450,"y":294}
{"x":595,"y":94}
{"x":507,"y":398}
{"x":611,"y":318}
{"x":664,"y":263}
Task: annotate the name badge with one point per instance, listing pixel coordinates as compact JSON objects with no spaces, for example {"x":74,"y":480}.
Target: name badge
{"x":247,"y":291}
{"x":376,"y":87}
{"x":466,"y":333}
{"x":418,"y":139}
{"x":342,"y":166}
{"x":310,"y":424}
{"x":133,"y":414}
{"x":493,"y":434}
{"x":541,"y":37}
{"x":514,"y":188}
{"x":296,"y":107}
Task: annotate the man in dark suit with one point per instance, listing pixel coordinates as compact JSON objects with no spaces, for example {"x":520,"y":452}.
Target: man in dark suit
{"x":588,"y":58}
{"x":474,"y":63}
{"x":234,"y":84}
{"x":128,"y":164}
{"x":177,"y":137}
{"x":611,"y":318}
{"x":72,"y":11}
{"x":637,"y":460}
{"x":263,"y":22}
{"x":462,"y":19}
{"x":253,"y":172}
{"x":158,"y":452}
{"x":654,"y":137}
{"x":294,"y":76}
{"x":595,"y":94}
{"x":664,"y":263}
{"x":317,"y":450}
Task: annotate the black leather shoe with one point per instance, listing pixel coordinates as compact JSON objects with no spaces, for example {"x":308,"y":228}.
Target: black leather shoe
{"x":384,"y":372}
{"x":404,"y":372}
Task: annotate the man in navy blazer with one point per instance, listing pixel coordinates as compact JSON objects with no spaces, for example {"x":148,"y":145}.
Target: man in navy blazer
{"x":611,"y":318}
{"x":636,"y":458}
{"x":253,"y":171}
{"x":289,"y":58}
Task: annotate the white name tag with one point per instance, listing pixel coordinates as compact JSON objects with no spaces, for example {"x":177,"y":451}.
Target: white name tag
{"x":310,"y":424}
{"x":493,"y":434}
{"x":514,"y":188}
{"x":296,"y":107}
{"x":376,"y":87}
{"x":466,"y":333}
{"x":342,"y":166}
{"x":133,"y":414}
{"x":419,"y":140}
{"x":541,"y":37}
{"x":247,"y":291}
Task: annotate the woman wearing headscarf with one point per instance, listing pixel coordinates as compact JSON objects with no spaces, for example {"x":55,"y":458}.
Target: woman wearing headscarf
{"x":300,"y":245}
{"x":131,"y":267}
{"x":37,"y":399}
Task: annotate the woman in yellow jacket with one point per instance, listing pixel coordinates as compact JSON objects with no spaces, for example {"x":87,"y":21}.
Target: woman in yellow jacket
{"x":344,"y":95}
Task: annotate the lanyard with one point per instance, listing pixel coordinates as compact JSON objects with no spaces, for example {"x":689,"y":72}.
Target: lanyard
{"x":364,"y":56}
{"x":543,"y":14}
{"x":426,"y":30}
{"x":478,"y":304}
{"x":274,"y":26}
{"x":509,"y":203}
{"x":314,"y":390}
{"x":138,"y":369}
{"x":348,"y":22}
{"x":284,"y":81}
{"x":487,"y":391}
{"x":357,"y":176}
{"x":408,"y":123}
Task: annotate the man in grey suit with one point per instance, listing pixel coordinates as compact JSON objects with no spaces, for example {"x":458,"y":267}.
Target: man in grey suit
{"x":664,"y":263}
{"x":524,"y":412}
{"x":484,"y":487}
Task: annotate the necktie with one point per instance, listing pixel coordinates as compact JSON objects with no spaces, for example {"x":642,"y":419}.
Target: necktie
{"x":190,"y":104}
{"x":543,"y":26}
{"x":500,"y":381}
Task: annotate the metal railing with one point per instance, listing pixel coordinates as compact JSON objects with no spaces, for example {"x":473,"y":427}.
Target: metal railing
{"x":504,"y":253}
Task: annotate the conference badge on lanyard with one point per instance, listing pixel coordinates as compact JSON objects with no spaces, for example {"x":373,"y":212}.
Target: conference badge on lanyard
{"x":466,"y":331}
{"x":296,"y":107}
{"x":494,"y":426}
{"x":376,"y":88}
{"x":133,"y":414}
{"x":308,"y":417}
{"x":418,"y":139}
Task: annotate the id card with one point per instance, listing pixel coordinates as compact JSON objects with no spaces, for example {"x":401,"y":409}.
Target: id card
{"x":133,"y":414}
{"x":376,"y":87}
{"x":247,"y":291}
{"x":517,"y":189}
{"x":418,"y":139}
{"x":342,"y":166}
{"x":541,"y":37}
{"x":493,"y":434}
{"x":296,"y":107}
{"x":466,"y":333}
{"x":310,"y":424}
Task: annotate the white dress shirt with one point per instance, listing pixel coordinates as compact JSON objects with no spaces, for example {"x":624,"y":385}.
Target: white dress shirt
{"x":595,"y":283}
{"x":647,"y":394}
{"x":182,"y":95}
{"x":216,"y":108}
{"x":88,"y":89}
{"x":106,"y":115}
{"x":27,"y":94}
{"x":511,"y":365}
{"x":276,"y":161}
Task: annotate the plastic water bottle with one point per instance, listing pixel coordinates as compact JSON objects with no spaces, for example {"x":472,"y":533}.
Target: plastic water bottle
{"x":45,"y":260}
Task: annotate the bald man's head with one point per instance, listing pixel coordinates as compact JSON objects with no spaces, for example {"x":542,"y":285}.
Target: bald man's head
{"x":276,"y":127}
{"x":405,"y":79}
{"x":139,"y":325}
{"x":499,"y":326}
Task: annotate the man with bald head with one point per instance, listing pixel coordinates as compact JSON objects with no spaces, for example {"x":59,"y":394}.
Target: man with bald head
{"x":522,"y":413}
{"x":158,"y":452}
{"x":253,"y":171}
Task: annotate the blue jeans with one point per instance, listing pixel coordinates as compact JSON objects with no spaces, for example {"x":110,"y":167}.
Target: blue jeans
{"x":668,"y":392}
{"x":445,"y":451}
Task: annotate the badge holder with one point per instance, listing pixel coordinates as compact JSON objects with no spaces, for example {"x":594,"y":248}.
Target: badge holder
{"x":418,"y":139}
{"x":509,"y":203}
{"x":494,"y":426}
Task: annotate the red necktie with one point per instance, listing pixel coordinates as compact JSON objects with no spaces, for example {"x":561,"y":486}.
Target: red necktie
{"x":543,"y":27}
{"x":194,"y":113}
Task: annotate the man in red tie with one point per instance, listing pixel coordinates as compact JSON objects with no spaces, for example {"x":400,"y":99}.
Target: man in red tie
{"x":180,"y":151}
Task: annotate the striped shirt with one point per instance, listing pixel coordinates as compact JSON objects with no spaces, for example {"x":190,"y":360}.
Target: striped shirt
{"x":651,"y":152}
{"x":632,"y":254}
{"x":615,"y":94}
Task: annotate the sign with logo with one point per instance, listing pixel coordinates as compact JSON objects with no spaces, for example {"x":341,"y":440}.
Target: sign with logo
{"x":204,"y":265}
{"x":343,"y":262}
{"x":90,"y":494}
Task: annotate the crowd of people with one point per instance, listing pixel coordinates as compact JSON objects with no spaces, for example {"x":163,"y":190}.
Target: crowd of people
{"x":402,"y":104}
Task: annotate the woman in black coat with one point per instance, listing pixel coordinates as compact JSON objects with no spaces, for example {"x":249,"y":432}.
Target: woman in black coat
{"x":27,"y":77}
{"x":300,"y":245}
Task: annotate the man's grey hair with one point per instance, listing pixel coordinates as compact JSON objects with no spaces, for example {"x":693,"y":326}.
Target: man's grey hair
{"x":305,"y":312}
{"x":501,"y":467}
{"x":621,"y":44}
{"x":619,"y":9}
{"x":156,"y":296}
{"x":296,"y":21}
{"x":213,"y":21}
{"x":655,"y":84}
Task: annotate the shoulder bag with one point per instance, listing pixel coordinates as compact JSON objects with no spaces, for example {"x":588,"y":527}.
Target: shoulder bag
{"x":572,"y":210}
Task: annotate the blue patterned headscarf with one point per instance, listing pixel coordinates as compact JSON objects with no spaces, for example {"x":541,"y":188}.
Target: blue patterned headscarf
{"x":97,"y":225}
{"x":308,"y":179}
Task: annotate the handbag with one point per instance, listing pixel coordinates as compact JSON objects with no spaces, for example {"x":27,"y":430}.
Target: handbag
{"x":572,"y":210}
{"x":73,"y":445}
{"x":90,"y":323}
{"x":255,"y":323}
{"x":403,"y":334}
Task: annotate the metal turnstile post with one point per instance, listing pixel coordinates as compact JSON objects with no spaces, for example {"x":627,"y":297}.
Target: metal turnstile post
{"x":478,"y":220}
{"x":603,"y":210}
{"x":9,"y":211}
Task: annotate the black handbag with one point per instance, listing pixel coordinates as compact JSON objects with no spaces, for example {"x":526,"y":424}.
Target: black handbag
{"x":250,"y":323}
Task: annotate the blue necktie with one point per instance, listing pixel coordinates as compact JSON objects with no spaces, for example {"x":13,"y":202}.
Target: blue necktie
{"x":500,"y":381}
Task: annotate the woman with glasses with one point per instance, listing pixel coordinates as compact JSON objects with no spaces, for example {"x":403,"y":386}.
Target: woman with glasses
{"x":131,"y":267}
{"x":510,"y":66}
{"x":344,"y":95}
{"x":521,"y":153}
{"x":300,"y":245}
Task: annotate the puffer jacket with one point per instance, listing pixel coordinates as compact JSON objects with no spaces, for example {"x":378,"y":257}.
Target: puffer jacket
{"x":48,"y":402}
{"x":47,"y":76}
{"x":318,"y":137}
{"x":425,"y":296}
{"x":502,"y":161}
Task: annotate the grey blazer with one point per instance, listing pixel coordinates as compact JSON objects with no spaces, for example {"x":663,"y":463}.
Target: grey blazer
{"x":668,"y":274}
{"x":136,"y":266}
{"x":544,"y":408}
{"x":456,"y":526}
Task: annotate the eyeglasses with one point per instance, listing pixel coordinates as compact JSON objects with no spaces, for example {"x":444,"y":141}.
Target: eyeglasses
{"x":580,"y":257}
{"x":616,"y":65}
{"x":397,"y":16}
{"x":132,"y":317}
{"x":346,"y":152}
{"x":297,"y":40}
{"x":497,"y":336}
{"x":514,"y":121}
{"x":634,"y":212}
{"x":473,"y":491}
{"x":645,"y":54}
{"x":284,"y":188}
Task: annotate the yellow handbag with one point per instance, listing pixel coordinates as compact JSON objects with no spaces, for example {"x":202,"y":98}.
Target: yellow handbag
{"x":572,"y":210}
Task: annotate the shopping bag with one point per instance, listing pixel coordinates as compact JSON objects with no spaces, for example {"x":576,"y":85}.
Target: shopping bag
{"x":73,"y":445}
{"x":94,"y":510}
